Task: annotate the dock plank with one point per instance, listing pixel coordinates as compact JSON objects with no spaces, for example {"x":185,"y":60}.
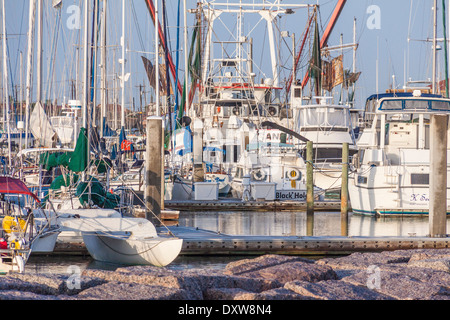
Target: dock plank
{"x":204,"y":242}
{"x":238,"y":205}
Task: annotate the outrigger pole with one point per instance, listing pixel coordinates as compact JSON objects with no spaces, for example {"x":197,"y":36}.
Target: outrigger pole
{"x":151,"y":9}
{"x":323,"y":42}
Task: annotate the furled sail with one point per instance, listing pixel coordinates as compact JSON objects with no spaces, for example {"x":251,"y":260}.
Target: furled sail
{"x":41,"y":127}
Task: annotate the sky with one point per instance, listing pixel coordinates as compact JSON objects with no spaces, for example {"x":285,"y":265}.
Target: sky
{"x":382,"y":32}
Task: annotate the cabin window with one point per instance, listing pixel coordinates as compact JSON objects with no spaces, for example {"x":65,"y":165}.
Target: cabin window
{"x":235,"y":153}
{"x":416,"y":104}
{"x":362,"y":179}
{"x":440,"y":105}
{"x":420,"y":178}
{"x":392,"y":105}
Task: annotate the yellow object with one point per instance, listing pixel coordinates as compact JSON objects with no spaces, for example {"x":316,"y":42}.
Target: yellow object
{"x":294,"y":174}
{"x":293,"y":184}
{"x":12,"y":224}
{"x":15,"y":245}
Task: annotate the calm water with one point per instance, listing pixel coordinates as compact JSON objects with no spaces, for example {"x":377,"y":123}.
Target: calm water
{"x":252,"y":223}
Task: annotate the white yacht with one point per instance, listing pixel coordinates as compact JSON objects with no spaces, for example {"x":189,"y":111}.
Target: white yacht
{"x":392,"y":167}
{"x":328,"y":126}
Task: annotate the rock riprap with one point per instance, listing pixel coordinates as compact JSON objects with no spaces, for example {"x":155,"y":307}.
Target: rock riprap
{"x":420,"y":274}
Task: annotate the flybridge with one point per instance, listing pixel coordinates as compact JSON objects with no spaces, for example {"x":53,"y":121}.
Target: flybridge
{"x":249,"y":7}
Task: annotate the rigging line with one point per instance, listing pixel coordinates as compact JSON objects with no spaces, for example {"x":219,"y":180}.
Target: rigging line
{"x":51,"y":69}
{"x":20,"y":35}
{"x":133,"y":10}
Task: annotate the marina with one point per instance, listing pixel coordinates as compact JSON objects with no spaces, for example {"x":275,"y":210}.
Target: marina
{"x":182,"y":135}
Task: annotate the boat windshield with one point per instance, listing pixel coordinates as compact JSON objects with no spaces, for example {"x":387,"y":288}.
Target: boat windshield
{"x":324,"y":116}
{"x":414,"y":104}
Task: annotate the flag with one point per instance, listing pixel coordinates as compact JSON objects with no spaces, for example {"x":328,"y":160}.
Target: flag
{"x":315,"y":64}
{"x":338,"y":71}
{"x":150,"y":70}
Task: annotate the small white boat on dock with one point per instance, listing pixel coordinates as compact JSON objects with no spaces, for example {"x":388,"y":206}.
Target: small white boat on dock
{"x":137,"y":245}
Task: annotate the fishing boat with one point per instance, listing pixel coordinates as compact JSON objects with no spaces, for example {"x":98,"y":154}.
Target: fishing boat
{"x":273,"y":165}
{"x":137,"y":244}
{"x":392,"y":167}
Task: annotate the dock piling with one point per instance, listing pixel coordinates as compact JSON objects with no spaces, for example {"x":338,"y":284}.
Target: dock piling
{"x":309,"y":190}
{"x":198,"y":174}
{"x":438,"y":175}
{"x":154,"y":173}
{"x":344,"y":190}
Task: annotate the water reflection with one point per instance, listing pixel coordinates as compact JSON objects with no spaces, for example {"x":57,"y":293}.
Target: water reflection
{"x":294,"y":223}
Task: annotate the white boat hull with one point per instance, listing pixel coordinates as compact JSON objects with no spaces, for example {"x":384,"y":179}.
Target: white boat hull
{"x":178,"y":190}
{"x":45,"y":243}
{"x":384,"y":195}
{"x":122,"y":249}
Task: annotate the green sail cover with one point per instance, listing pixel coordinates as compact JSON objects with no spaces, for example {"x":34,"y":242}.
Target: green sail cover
{"x":79,"y":160}
{"x":98,"y":195}
{"x":52,"y":160}
{"x":64,"y":181}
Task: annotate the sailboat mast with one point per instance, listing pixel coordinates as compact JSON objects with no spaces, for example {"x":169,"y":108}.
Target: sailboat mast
{"x":86,"y":64}
{"x":186,"y":66}
{"x":122,"y":118}
{"x":40,"y":17}
{"x":434,"y":46}
{"x":169,"y":109}
{"x":5,"y":77}
{"x":103,"y":98}
{"x":29,"y":68}
{"x":158,"y":113}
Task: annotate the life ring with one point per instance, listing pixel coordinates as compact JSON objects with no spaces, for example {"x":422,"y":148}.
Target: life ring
{"x":259,"y":175}
{"x":294,"y":174}
{"x":11,"y":224}
{"x":218,"y":110}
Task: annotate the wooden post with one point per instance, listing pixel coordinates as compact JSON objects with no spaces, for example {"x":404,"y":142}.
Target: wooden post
{"x":438,"y":175}
{"x":198,"y":174}
{"x":309,"y":190}
{"x":154,"y":172}
{"x":344,"y":190}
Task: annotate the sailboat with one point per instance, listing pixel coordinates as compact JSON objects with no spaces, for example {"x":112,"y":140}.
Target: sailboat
{"x":109,"y":236}
{"x":25,"y":230}
{"x":136,"y":245}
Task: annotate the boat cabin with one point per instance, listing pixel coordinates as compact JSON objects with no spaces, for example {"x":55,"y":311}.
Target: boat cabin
{"x":397,"y":126}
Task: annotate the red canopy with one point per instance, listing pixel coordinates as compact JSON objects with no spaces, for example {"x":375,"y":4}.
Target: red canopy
{"x":10,"y":185}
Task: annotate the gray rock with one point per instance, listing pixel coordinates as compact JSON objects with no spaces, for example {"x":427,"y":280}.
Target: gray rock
{"x":398,"y":285}
{"x":48,"y":284}
{"x":334,"y":290}
{"x":430,"y":254}
{"x":131,"y":291}
{"x":265,"y":261}
{"x":24,"y":295}
{"x":435,"y":264}
{"x":225,"y":293}
{"x":274,"y":294}
{"x":295,"y":270}
{"x":360,"y":261}
{"x":281,"y":269}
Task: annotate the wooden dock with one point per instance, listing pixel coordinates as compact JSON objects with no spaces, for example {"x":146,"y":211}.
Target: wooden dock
{"x":210,"y":243}
{"x":239,"y":205}
{"x":205,"y":242}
